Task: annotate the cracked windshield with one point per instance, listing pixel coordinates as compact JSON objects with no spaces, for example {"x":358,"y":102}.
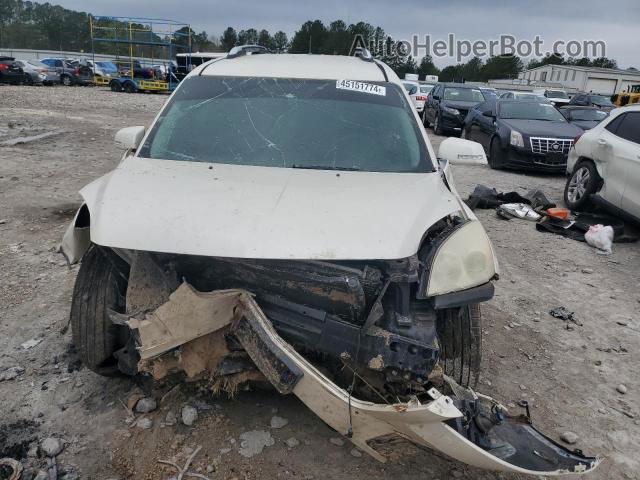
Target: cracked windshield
{"x":290,"y":123}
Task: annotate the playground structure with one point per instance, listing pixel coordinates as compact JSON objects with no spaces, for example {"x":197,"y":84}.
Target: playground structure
{"x":155,"y":39}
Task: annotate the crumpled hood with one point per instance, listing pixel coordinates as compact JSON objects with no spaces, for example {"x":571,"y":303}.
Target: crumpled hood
{"x":264,"y":212}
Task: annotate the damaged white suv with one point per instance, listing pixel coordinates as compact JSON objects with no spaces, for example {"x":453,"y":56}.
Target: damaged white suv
{"x":285,"y":217}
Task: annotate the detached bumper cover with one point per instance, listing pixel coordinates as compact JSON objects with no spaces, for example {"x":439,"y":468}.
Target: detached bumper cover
{"x":512,"y":445}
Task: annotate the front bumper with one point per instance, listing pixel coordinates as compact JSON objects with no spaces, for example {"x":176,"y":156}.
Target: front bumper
{"x":523,"y":158}
{"x":445,"y":423}
{"x":449,"y":121}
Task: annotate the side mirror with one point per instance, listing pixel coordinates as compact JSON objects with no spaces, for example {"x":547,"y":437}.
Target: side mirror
{"x":458,"y":151}
{"x":436,"y":97}
{"x":129,"y":138}
{"x":488,"y":113}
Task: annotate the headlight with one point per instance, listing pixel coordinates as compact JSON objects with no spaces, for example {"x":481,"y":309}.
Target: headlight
{"x":516,"y":139}
{"x":464,"y":260}
{"x":42,"y":76}
{"x":452,"y":111}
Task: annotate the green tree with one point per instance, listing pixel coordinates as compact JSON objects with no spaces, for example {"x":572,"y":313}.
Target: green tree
{"x":503,"y":66}
{"x":427,"y":67}
{"x":248,"y":37}
{"x":472,"y":70}
{"x":229,"y":39}
{"x":280,"y":41}
{"x":310,"y":38}
{"x":265,"y":39}
{"x":337,"y":40}
{"x":409,"y":65}
{"x":451,"y":73}
{"x":604,"y":62}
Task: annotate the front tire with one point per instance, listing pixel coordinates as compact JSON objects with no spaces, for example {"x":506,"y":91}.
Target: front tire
{"x":129,"y":87}
{"x":496,"y":155}
{"x":101,"y":285}
{"x":460,"y":335}
{"x":584,"y":182}
{"x":437,"y":127}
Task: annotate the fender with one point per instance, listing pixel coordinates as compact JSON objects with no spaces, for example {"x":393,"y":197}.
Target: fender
{"x":77,"y":238}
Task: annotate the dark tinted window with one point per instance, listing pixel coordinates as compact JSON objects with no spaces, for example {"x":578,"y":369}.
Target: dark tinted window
{"x":613,"y":125}
{"x":629,"y":128}
{"x":587,"y":115}
{"x":289,"y":123}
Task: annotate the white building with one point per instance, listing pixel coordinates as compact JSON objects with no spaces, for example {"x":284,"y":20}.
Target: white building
{"x":605,"y":81}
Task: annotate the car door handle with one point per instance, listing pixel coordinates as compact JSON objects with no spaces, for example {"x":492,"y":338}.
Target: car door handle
{"x":602,"y":142}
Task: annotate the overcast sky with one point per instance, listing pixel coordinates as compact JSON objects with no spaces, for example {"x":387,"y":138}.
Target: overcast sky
{"x":615,"y":22}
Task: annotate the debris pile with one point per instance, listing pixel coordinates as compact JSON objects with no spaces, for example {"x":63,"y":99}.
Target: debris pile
{"x":598,"y":230}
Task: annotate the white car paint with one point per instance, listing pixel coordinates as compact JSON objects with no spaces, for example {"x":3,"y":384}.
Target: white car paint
{"x":264,"y":212}
{"x":617,"y":161}
{"x":282,"y":213}
{"x":418,"y":98}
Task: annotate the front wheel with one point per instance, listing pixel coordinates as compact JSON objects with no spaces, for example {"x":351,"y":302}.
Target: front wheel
{"x":437,"y":127}
{"x":129,"y":87}
{"x":583,"y":182}
{"x":460,"y":334}
{"x":496,"y":156}
{"x":425,"y":122}
{"x":101,"y":286}
{"x":115,"y":86}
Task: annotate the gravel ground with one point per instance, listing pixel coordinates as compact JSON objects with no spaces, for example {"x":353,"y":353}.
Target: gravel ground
{"x":569,"y":376}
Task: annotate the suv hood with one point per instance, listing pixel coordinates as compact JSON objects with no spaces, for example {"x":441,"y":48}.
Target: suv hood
{"x":264,"y":212}
{"x":543,"y":128}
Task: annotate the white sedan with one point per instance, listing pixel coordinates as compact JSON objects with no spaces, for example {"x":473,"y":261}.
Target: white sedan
{"x":604,"y":166}
{"x":417,"y":97}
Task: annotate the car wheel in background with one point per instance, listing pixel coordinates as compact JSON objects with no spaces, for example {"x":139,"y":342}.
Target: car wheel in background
{"x":28,"y":80}
{"x":115,"y":86}
{"x":65,"y":80}
{"x":496,"y":155}
{"x":101,"y":286}
{"x":425,"y":122}
{"x":437,"y":128}
{"x":583,"y":182}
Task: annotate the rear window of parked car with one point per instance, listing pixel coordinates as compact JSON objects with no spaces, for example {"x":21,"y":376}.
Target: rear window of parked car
{"x":463,"y":94}
{"x":626,"y":126}
{"x":282,"y":122}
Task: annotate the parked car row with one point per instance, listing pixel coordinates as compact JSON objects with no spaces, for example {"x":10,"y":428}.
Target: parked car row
{"x":596,"y":144}
{"x":54,"y":70}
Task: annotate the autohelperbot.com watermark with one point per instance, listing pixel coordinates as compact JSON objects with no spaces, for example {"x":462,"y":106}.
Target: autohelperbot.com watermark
{"x":461,"y":49}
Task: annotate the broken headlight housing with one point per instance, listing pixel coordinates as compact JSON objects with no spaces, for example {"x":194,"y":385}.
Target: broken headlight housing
{"x":463,"y":260}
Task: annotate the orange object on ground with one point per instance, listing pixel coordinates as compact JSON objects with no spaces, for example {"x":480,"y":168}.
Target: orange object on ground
{"x":558,"y":212}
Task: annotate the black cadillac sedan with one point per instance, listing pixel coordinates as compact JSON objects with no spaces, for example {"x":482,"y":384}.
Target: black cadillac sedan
{"x":530,"y":135}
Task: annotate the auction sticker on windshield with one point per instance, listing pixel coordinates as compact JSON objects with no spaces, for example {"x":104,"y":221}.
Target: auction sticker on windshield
{"x":361,"y":87}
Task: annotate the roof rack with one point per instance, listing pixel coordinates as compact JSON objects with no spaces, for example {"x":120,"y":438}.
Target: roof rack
{"x":363,"y":54}
{"x":246,"y":50}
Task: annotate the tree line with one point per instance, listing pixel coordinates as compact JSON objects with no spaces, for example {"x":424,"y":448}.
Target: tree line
{"x":32,"y":25}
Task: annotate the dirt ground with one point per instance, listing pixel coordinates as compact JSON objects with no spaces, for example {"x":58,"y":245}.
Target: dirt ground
{"x":569,"y":376}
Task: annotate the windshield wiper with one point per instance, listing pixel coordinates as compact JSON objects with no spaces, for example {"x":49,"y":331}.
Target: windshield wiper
{"x":326,"y":167}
